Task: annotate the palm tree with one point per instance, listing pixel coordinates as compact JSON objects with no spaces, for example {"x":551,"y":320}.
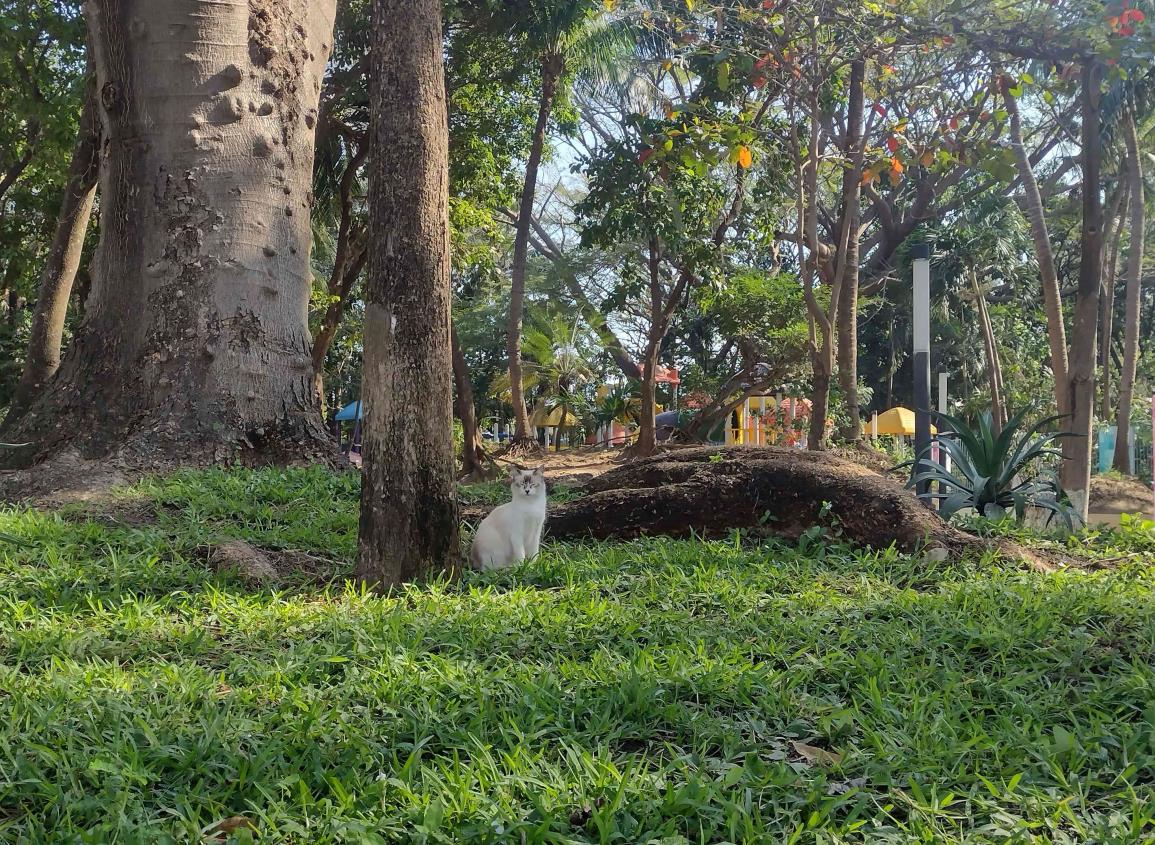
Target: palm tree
{"x":569,"y":37}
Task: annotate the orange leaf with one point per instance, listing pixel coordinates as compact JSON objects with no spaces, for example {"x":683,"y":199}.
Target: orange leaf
{"x":896,"y":165}
{"x":745,"y":157}
{"x":892,"y":144}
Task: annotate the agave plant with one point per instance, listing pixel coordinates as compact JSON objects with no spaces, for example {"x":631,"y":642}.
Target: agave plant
{"x":994,"y":473}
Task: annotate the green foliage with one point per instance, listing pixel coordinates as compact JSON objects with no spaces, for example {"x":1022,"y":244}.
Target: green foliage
{"x":655,"y":691}
{"x":994,"y":473}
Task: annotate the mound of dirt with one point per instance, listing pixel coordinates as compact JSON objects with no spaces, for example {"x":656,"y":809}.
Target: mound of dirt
{"x":1111,"y":494}
{"x":709,"y":492}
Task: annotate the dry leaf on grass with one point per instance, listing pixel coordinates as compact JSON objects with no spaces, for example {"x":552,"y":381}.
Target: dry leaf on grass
{"x":813,"y":754}
{"x":228,"y":826}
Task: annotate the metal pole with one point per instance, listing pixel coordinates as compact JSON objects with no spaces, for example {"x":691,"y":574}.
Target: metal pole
{"x":921,"y":255}
{"x":944,"y":458}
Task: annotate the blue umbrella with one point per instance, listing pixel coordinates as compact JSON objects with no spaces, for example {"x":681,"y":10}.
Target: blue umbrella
{"x":352,"y":411}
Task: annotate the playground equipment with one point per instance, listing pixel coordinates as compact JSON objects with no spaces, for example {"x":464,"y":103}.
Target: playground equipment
{"x":765,"y":419}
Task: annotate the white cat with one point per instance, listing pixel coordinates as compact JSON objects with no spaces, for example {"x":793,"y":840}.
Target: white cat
{"x":512,"y":532}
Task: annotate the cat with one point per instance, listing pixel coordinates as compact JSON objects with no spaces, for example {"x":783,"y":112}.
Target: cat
{"x":512,"y":532}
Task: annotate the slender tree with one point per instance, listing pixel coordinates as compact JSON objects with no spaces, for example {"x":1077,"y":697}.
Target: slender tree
{"x":1134,"y":283}
{"x":43,"y":358}
{"x":409,"y":522}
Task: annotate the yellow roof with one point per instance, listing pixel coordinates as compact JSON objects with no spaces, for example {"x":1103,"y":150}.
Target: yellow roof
{"x":541,"y":417}
{"x":894,"y":421}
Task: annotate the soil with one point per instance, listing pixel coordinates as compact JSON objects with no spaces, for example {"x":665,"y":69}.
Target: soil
{"x":1120,"y":495}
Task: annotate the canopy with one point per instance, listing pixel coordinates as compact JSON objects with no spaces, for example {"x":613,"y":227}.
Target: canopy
{"x":352,"y":411}
{"x":543,"y":418}
{"x":895,"y":421}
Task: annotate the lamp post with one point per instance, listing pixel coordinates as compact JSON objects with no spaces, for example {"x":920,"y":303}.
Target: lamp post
{"x":921,"y":255}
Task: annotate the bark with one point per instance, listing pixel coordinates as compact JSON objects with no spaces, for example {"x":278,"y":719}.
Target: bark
{"x":552,"y":68}
{"x":1033,"y":208}
{"x":195,"y":344}
{"x":1077,"y":475}
{"x":409,"y":519}
{"x":473,"y":460}
{"x":847,"y":315}
{"x":1112,"y":239}
{"x":59,"y":273}
{"x":990,"y":347}
{"x":1134,"y":287}
{"x":824,"y":350}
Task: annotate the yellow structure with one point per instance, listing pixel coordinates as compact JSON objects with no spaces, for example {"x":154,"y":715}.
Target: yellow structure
{"x":756,"y":422}
{"x":897,"y":422}
{"x":542,"y":418}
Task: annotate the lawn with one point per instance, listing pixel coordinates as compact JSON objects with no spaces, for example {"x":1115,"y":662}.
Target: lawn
{"x":658,"y":691}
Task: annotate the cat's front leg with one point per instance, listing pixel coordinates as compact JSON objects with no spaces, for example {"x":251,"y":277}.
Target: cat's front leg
{"x":533,"y":540}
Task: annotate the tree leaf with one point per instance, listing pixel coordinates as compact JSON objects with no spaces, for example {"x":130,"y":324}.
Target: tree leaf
{"x":745,"y":157}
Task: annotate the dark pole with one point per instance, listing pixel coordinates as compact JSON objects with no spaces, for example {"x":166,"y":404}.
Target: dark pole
{"x":921,"y":255}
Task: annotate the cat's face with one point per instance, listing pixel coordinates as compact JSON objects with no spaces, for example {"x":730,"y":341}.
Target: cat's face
{"x":527,"y":482}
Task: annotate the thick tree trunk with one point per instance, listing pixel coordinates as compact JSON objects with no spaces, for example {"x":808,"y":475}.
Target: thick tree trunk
{"x":552,"y":67}
{"x":1033,"y":208}
{"x":991,"y":348}
{"x":473,"y":463}
{"x":1111,"y":240}
{"x":1134,"y":284}
{"x":409,"y":523}
{"x":195,"y":343}
{"x":43,"y":358}
{"x":847,"y":316}
{"x":1077,"y":475}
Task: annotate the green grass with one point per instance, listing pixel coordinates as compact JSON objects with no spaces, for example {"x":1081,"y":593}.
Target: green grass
{"x":629,"y":693}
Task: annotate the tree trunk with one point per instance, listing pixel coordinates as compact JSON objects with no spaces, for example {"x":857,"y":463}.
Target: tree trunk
{"x":43,"y":358}
{"x":1112,"y":238}
{"x":195,"y":345}
{"x":340,"y":291}
{"x":473,"y":462}
{"x":409,"y":519}
{"x":1134,"y":285}
{"x":647,"y":430}
{"x":552,"y":67}
{"x":847,"y":316}
{"x":1033,"y":208}
{"x":1077,"y":475}
{"x":990,"y":347}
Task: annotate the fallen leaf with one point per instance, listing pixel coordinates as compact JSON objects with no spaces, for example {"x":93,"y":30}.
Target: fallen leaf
{"x":228,"y":826}
{"x":813,"y":754}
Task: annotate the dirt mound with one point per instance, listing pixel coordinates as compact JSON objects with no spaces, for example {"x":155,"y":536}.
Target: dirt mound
{"x":767,"y":491}
{"x":1110,"y":494}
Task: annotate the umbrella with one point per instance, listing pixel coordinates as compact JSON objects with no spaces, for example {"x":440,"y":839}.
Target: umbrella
{"x":352,"y":411}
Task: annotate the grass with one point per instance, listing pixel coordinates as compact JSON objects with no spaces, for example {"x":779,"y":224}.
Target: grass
{"x":649,"y":692}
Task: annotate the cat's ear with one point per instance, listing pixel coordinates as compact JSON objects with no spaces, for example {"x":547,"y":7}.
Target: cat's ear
{"x":514,"y":473}
{"x":540,"y":472}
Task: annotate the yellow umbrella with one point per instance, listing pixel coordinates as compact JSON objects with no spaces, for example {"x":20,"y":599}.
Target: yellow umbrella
{"x":896,"y":421}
